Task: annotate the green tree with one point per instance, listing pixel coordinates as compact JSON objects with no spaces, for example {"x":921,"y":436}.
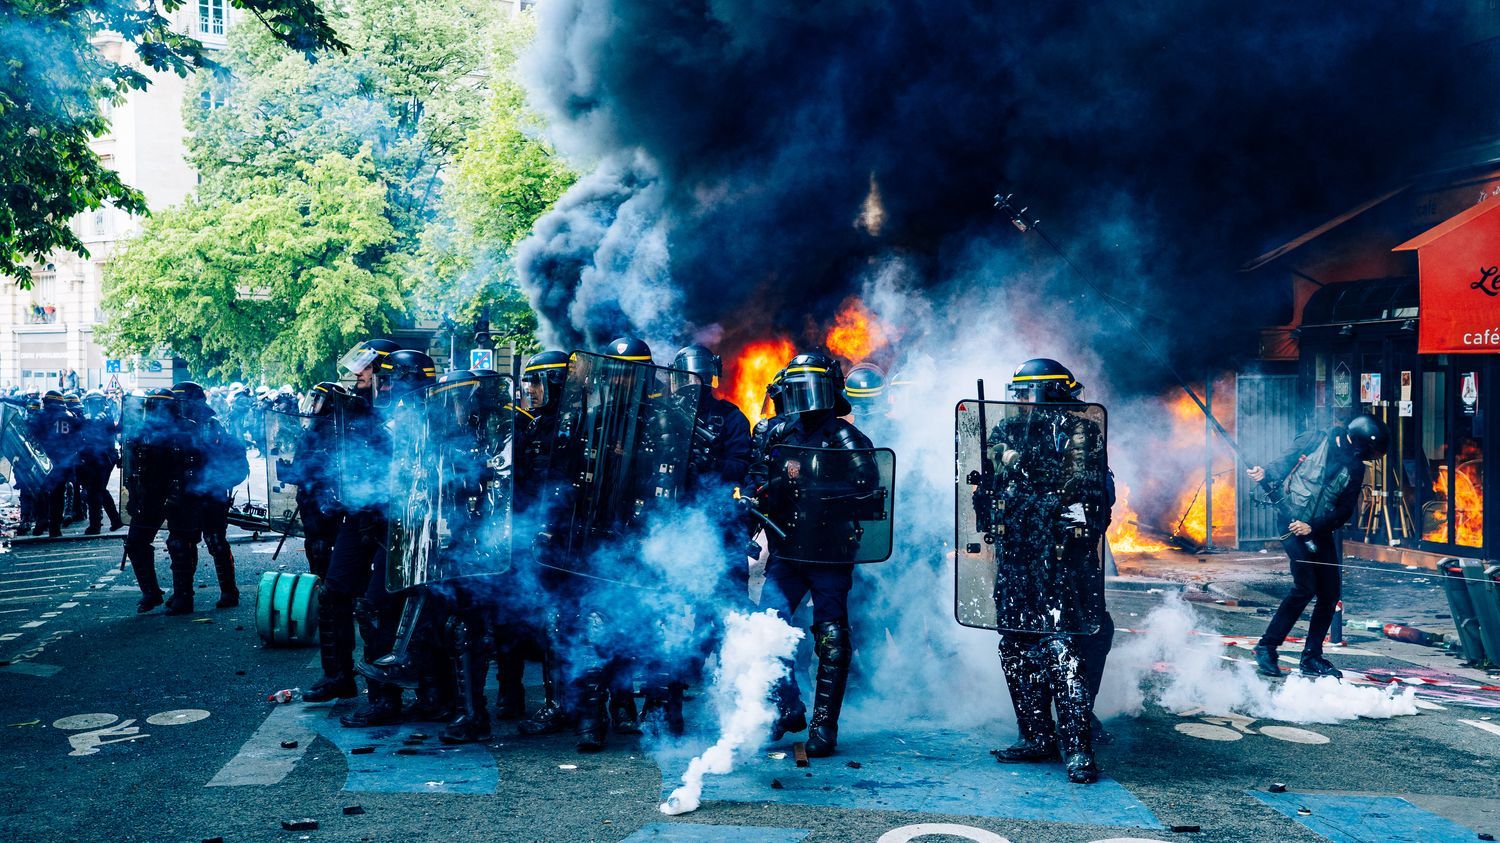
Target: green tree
{"x":317,"y":275}
{"x":505,"y":177}
{"x":266,"y":282}
{"x":53,"y":84}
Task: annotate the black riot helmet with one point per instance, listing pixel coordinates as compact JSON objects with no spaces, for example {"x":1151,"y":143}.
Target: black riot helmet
{"x":813,"y":381}
{"x":159,"y":404}
{"x":366,"y":353}
{"x":189,"y":391}
{"x":865,"y":389}
{"x":632,"y":349}
{"x":403,"y":372}
{"x":1042,"y":379}
{"x":544,"y":375}
{"x":323,"y":398}
{"x":697,"y":360}
{"x":53,"y":398}
{"x":1366,"y":437}
{"x":96,"y":405}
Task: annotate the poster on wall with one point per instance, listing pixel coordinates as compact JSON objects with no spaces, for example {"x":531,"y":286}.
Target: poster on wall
{"x":1343,"y":386}
{"x":1468,"y":392}
{"x":1406,"y":386}
{"x":1404,"y":409}
{"x":1369,"y":388}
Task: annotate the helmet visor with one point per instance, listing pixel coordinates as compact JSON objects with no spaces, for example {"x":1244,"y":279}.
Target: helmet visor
{"x":358,"y":359}
{"x":684,"y":383}
{"x":807,"y":394}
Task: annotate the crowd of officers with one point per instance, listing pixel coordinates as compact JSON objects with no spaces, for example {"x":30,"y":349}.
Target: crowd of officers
{"x":439,"y":640}
{"x":77,"y":436}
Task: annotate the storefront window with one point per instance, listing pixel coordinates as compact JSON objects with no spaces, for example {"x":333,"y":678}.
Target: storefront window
{"x":1432,"y":471}
{"x":1468,"y":468}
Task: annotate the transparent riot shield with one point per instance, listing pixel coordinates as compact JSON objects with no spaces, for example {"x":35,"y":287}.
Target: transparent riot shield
{"x":301,"y":462}
{"x":624,"y":440}
{"x":24,"y":460}
{"x":830,"y":505}
{"x":452,"y":479}
{"x":1032,"y":504}
{"x":147,"y":460}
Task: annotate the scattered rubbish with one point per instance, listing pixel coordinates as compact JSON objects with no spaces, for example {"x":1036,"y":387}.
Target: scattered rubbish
{"x":406,"y":750}
{"x":1401,"y":632}
{"x":351,"y":810}
{"x":777,"y":785}
{"x":1373,"y":626}
{"x":239,"y":673}
{"x":239,"y":629}
{"x":776,"y":756}
{"x":285,"y":695}
{"x":1186,"y":829}
{"x":567,"y":766}
{"x":362,"y":750}
{"x":414,"y":741}
{"x":213,"y":840}
{"x":1277,"y":787}
{"x":1411,"y":567}
{"x":1304,"y":812}
{"x":1484,"y":835}
{"x":27,"y":723}
{"x":299,"y":825}
{"x":854,"y":765}
{"x":799,"y":752}
{"x":288,"y":744}
{"x":434,"y":784}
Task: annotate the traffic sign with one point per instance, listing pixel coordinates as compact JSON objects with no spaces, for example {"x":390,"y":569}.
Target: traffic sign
{"x":112,"y":366}
{"x":482,"y":358}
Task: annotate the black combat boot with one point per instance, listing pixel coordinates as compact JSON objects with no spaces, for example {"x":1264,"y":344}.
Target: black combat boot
{"x":1266,"y":660}
{"x":229,"y":593}
{"x":336,"y":650}
{"x":1313,"y":664}
{"x":593,"y":720}
{"x":181,"y":601}
{"x":1081,"y":768}
{"x":382,"y":708}
{"x":552,"y":717}
{"x":623,"y":715}
{"x":151,"y":593}
{"x":831,"y":641}
{"x":1032,"y":700}
{"x":510,"y":670}
{"x":663,"y":710}
{"x":470,"y":665}
{"x":791,"y":714}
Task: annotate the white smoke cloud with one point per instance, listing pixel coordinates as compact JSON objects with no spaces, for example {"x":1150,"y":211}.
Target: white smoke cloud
{"x":749,"y":665}
{"x":1194,"y":675}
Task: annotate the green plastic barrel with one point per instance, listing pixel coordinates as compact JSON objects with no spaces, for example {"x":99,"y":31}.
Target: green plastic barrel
{"x":1461,"y":605}
{"x":286,"y":609}
{"x":1484,"y":591}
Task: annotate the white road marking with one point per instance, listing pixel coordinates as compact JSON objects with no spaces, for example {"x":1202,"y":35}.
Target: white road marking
{"x":262,"y":761}
{"x":968,"y":832}
{"x":31,"y":588}
{"x":85,"y":721}
{"x":1492,"y":728}
{"x":68,"y":605}
{"x":1208,"y":732}
{"x":12,"y":611}
{"x":44,"y":579}
{"x":177,"y":717}
{"x":1292,"y":734}
{"x":50,"y":614}
{"x":10,"y":636}
{"x":32,"y":624}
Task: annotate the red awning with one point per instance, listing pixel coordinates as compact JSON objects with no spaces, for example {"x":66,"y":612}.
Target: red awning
{"x":1459,"y":264}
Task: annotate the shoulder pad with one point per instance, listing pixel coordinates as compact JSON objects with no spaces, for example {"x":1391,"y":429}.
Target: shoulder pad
{"x":847,"y":436}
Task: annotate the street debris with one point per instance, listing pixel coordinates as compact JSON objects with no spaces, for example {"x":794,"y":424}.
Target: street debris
{"x":777,"y":785}
{"x":362,"y":750}
{"x":799,"y":751}
{"x":299,"y":825}
{"x":351,"y":810}
{"x":1277,"y":787}
{"x":288,"y":744}
{"x":854,"y":765}
{"x":285,"y":695}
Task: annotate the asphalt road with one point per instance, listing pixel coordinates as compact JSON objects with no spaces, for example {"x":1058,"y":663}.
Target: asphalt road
{"x":121,"y":727}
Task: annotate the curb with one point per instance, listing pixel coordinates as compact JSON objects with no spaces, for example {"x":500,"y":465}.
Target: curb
{"x":1129,"y":583}
{"x":234,"y":537}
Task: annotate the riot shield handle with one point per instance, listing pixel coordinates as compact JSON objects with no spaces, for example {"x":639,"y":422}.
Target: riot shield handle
{"x":984,"y":479}
{"x":749,"y":504}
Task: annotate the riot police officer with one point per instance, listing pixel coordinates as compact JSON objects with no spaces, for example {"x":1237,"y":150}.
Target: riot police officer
{"x":402,"y":376}
{"x":313,"y":470}
{"x":57,"y":430}
{"x":1317,"y":484}
{"x":361,"y":532}
{"x":150,"y":479}
{"x":542,"y":381}
{"x":211,"y":463}
{"x":865,"y":389}
{"x":1053,"y":482}
{"x":810,"y":391}
{"x":96,"y":460}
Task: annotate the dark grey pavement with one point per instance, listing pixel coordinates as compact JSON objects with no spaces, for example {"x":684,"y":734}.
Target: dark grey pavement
{"x":124,"y":727}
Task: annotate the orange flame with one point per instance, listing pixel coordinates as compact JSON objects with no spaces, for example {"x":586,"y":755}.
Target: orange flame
{"x":753,"y":368}
{"x":1187,"y":432}
{"x":1124,"y":534}
{"x":855,"y":333}
{"x":1467,"y":503}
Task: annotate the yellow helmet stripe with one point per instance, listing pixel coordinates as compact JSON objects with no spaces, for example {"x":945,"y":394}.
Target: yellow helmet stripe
{"x":797,"y":369}
{"x":863,"y":393}
{"x":540,"y":366}
{"x":449,"y":387}
{"x":1042,"y":378}
{"x":638,"y":358}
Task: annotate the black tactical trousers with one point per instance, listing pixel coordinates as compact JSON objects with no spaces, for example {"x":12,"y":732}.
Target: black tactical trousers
{"x":146,"y":520}
{"x":1315,"y":575}
{"x":198,"y":518}
{"x":93,"y":476}
{"x":1042,"y":671}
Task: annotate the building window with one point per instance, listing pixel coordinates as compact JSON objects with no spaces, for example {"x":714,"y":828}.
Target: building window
{"x":99,"y":221}
{"x":211,"y":97}
{"x":211,"y":17}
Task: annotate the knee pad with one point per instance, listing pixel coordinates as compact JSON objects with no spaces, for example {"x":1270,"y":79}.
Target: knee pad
{"x":218,"y":545}
{"x":831,"y":641}
{"x":179,"y":546}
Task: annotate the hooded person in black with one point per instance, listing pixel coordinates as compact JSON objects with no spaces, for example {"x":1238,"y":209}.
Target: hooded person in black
{"x":1316,"y":485}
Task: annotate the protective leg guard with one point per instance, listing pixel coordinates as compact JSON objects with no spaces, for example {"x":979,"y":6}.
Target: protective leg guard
{"x":663,"y":710}
{"x":470,"y":664}
{"x":218,"y":548}
{"x":395,"y":665}
{"x":184,"y":555}
{"x":1033,"y":704}
{"x":551,"y":718}
{"x":143,"y":563}
{"x":1063,"y":669}
{"x":831,"y":641}
{"x":593,"y":721}
{"x":791,"y":714}
{"x":335,"y":649}
{"x":384,"y":700}
{"x":510,"y":668}
{"x":623,"y":714}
